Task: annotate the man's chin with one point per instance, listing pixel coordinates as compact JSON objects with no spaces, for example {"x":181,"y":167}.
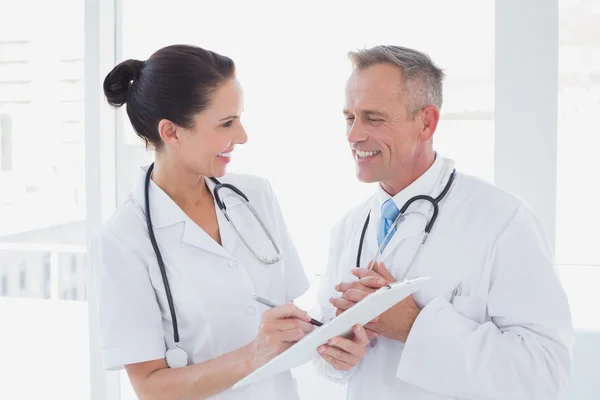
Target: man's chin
{"x":366,"y":176}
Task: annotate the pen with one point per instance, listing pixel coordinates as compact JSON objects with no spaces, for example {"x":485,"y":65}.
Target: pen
{"x":271,"y":303}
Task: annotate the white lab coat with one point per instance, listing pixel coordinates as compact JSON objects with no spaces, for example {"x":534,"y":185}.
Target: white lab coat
{"x":506,"y":335}
{"x":212,"y":286}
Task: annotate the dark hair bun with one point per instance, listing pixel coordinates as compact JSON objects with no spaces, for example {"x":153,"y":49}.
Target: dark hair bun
{"x":118,"y":82}
{"x":175,"y":83}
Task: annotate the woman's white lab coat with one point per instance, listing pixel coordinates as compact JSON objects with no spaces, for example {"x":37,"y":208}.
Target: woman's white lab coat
{"x":212,"y":285}
{"x":507,"y":334}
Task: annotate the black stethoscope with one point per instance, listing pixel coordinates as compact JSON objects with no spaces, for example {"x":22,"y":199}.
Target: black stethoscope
{"x":177,"y":357}
{"x":434,"y":202}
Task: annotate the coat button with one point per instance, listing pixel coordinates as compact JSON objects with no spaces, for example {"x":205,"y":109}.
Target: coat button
{"x":250,"y":311}
{"x":233,"y":264}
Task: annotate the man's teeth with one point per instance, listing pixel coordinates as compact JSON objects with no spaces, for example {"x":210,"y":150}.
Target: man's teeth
{"x":366,"y":154}
{"x":227,"y":155}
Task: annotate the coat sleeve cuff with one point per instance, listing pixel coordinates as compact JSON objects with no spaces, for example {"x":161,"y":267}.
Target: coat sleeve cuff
{"x":115,"y":357}
{"x":432,"y":347}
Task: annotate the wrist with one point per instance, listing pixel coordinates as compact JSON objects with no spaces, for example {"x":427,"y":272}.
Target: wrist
{"x":248,"y":363}
{"x":406,"y":332}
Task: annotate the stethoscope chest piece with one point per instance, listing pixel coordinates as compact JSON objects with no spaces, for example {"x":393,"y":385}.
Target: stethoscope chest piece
{"x":176,"y":357}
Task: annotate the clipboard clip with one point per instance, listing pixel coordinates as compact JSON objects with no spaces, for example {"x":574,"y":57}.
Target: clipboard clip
{"x":407,"y":282}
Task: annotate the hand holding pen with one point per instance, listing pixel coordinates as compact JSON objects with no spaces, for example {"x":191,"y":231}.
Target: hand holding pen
{"x":280,"y":328}
{"x":271,"y":303}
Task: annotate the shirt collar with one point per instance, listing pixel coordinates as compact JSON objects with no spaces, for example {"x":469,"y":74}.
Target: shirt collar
{"x":164,"y":211}
{"x":425,"y":184}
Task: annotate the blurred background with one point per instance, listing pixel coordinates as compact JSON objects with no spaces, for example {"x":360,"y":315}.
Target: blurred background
{"x":67,"y":159}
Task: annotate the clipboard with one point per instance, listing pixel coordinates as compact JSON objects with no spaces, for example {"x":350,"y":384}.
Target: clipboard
{"x":362,"y":313}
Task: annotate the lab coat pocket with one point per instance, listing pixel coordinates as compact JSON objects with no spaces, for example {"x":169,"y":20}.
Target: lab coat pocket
{"x":466,"y":306}
{"x":268,"y":279}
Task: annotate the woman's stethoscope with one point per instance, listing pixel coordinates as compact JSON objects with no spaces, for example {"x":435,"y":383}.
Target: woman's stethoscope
{"x":434,"y":202}
{"x":176,"y":357}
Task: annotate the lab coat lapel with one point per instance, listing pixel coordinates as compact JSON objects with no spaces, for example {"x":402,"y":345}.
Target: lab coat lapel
{"x":411,"y":225}
{"x":229,"y":237}
{"x":234,"y":208}
{"x":196,"y":236}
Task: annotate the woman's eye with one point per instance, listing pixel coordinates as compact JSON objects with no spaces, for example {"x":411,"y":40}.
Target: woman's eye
{"x":227,"y":124}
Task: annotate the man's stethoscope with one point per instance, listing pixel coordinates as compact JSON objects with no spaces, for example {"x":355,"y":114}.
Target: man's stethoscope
{"x":177,"y":357}
{"x":434,"y":202}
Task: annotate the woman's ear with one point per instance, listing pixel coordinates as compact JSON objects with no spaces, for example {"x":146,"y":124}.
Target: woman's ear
{"x":167,"y":131}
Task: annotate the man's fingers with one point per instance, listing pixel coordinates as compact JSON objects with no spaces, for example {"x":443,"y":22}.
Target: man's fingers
{"x":344,"y":286}
{"x":340,"y":303}
{"x":373,"y":282}
{"x":368,"y":284}
{"x":355,"y":295}
{"x":381,"y":269}
{"x":364,"y":272}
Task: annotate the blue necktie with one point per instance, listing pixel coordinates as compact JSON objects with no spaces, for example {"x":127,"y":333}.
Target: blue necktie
{"x":389,"y":213}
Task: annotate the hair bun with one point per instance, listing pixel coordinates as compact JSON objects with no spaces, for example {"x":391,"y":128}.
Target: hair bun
{"x":118,"y":82}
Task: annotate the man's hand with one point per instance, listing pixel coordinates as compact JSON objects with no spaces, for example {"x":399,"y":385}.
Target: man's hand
{"x":343,"y":354}
{"x":396,"y":322}
{"x":353,"y":292}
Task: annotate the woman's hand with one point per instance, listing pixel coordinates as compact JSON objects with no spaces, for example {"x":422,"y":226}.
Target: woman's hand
{"x":281,"y":327}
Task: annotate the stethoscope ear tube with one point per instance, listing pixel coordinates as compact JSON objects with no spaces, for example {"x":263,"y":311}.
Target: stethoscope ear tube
{"x":159,"y":258}
{"x":220,"y":185}
{"x":428,"y":227}
{"x":362,"y":239}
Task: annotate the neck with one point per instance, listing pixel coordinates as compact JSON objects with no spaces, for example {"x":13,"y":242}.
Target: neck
{"x":186,"y":188}
{"x":410,"y":173}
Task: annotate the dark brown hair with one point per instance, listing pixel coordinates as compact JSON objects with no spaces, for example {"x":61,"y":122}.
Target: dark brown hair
{"x":175,"y":83}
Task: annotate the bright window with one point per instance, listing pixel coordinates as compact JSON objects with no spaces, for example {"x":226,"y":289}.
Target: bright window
{"x":577,"y":250}
{"x":42,"y":202}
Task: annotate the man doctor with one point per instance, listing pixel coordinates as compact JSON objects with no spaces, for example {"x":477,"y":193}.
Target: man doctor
{"x":494,"y":321}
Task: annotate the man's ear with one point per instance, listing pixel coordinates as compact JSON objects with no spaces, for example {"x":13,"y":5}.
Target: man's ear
{"x":429,"y":118}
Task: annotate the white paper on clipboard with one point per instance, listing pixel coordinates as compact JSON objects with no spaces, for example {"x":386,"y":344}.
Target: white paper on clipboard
{"x":362,"y":313}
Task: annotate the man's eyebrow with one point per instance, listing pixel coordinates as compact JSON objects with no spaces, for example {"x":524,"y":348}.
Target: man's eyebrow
{"x":374,"y":113}
{"x":368,"y":112}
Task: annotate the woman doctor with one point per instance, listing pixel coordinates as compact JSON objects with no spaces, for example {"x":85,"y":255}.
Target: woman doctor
{"x":186,"y":102}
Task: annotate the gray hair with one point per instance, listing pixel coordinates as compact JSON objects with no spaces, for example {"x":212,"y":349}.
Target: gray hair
{"x":421,"y":77}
